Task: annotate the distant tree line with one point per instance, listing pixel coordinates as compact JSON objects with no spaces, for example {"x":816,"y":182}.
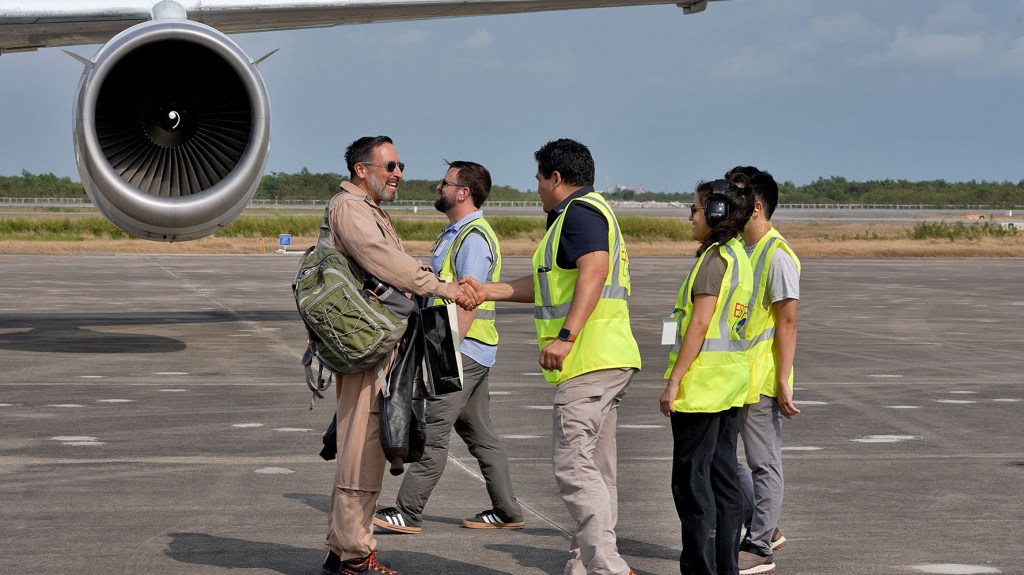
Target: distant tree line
{"x":306,"y":185}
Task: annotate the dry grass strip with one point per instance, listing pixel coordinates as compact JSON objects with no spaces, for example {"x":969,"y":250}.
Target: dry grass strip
{"x":809,"y":241}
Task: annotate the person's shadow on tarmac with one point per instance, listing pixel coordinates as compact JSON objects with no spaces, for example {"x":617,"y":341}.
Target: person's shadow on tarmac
{"x":231,"y":553}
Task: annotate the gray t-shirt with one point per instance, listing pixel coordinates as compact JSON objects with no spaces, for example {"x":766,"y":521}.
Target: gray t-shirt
{"x":783,"y":277}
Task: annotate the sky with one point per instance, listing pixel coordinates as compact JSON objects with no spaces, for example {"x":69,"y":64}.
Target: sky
{"x":867,"y":89}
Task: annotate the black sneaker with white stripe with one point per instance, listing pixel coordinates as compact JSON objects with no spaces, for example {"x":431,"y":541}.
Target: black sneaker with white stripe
{"x":391,"y":519}
{"x":492,"y":519}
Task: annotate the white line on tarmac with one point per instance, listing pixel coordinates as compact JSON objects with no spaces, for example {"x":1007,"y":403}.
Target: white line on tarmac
{"x":884,"y":438}
{"x":274,"y":471}
{"x":955,"y":569}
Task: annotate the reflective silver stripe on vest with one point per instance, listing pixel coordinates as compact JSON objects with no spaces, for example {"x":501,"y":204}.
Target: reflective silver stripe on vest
{"x":758,"y":272}
{"x":764,"y":336}
{"x":722,"y":342}
{"x":610,"y":291}
{"x":485,"y":314}
{"x":560,"y":311}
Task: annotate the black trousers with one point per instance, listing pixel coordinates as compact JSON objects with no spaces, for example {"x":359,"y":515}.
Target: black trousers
{"x":706,"y":490}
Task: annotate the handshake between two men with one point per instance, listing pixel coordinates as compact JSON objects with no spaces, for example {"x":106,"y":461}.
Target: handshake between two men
{"x":466,"y":295}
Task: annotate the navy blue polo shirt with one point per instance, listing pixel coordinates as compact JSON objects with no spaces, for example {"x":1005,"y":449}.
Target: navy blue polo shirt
{"x":584,"y":230}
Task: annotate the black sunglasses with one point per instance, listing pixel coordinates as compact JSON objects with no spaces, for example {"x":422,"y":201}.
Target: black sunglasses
{"x":388,"y":166}
{"x":694,"y":209}
{"x":447,"y":183}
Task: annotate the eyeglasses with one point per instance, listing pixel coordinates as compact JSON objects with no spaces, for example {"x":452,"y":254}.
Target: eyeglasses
{"x":388,"y":166}
{"x":447,"y":183}
{"x":694,"y":209}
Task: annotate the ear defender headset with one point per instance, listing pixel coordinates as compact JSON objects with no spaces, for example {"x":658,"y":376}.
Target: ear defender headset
{"x":716,"y":208}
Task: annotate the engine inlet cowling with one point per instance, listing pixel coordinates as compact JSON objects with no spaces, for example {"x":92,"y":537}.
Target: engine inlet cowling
{"x":172,"y":130}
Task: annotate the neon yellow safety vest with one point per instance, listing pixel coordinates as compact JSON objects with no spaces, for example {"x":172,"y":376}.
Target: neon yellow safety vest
{"x":482,"y":329}
{"x":718,"y":379}
{"x":760,"y":328}
{"x":605,"y":341}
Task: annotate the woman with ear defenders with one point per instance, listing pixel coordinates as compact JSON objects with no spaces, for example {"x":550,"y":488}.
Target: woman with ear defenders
{"x":708,"y":379}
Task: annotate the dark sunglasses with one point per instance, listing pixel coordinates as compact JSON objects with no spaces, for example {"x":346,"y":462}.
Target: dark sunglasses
{"x":447,"y":183}
{"x":388,"y":166}
{"x":694,"y":209}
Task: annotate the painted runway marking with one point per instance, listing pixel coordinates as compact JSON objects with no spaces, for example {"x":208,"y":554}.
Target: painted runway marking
{"x":801,"y":448}
{"x":1006,"y":399}
{"x":962,"y":391}
{"x":640,"y":426}
{"x":884,"y":375}
{"x":302,"y":429}
{"x":955,"y":569}
{"x":499,"y":393}
{"x":77,"y":440}
{"x":902,"y":406}
{"x":274,"y":471}
{"x":91,"y":376}
{"x":115,"y":401}
{"x":521,"y":436}
{"x":955,"y":401}
{"x":246,"y":425}
{"x":884,"y":438}
{"x":173,"y":390}
{"x":172,"y":373}
{"x":6,"y":405}
{"x":538,"y":406}
{"x":533,"y":373}
{"x":808,"y":402}
{"x":65,"y":405}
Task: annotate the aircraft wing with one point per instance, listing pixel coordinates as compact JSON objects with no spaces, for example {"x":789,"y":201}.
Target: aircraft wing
{"x":171,"y":117}
{"x":28,"y":26}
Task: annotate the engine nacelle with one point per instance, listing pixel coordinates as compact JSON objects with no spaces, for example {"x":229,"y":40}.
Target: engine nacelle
{"x":172,"y":130}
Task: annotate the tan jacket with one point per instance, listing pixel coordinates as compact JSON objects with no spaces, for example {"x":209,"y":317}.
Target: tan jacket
{"x":362,"y":230}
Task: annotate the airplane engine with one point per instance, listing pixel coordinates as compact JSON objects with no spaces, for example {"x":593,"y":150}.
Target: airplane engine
{"x":172,"y":130}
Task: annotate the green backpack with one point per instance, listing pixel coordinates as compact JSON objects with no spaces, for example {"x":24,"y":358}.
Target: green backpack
{"x":354,"y":320}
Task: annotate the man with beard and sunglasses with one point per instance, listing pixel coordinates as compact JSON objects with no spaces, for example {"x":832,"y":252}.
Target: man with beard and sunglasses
{"x":363,"y":231}
{"x":466,"y":248}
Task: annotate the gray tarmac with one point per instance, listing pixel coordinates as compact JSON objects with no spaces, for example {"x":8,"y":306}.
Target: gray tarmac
{"x":153,"y":419}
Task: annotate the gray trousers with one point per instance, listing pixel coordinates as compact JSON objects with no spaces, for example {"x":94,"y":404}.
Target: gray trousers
{"x":584,"y":458}
{"x":468,"y":412}
{"x":761,"y":431}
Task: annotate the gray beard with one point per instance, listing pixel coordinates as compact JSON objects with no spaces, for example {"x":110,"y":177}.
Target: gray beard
{"x":381,"y":188}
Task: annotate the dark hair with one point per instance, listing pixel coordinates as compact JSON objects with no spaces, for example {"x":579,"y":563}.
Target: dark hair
{"x":361,"y":150}
{"x":740,"y":198}
{"x":764,"y":186}
{"x":569,"y":158}
{"x":476,"y":178}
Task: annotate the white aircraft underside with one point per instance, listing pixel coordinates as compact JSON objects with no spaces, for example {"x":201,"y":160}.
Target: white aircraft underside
{"x":197,"y":156}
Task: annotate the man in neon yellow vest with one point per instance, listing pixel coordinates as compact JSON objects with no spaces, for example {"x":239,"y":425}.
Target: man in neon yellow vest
{"x":771,"y":330}
{"x":580,"y":287}
{"x":466,"y":248}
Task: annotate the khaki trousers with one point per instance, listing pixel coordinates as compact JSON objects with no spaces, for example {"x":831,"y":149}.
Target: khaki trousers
{"x":361,"y":462}
{"x":584,"y":458}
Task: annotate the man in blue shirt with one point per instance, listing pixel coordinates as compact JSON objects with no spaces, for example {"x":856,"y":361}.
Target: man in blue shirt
{"x":466,"y":248}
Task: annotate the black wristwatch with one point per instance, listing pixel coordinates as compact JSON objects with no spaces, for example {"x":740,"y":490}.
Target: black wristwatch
{"x":566,"y":335}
